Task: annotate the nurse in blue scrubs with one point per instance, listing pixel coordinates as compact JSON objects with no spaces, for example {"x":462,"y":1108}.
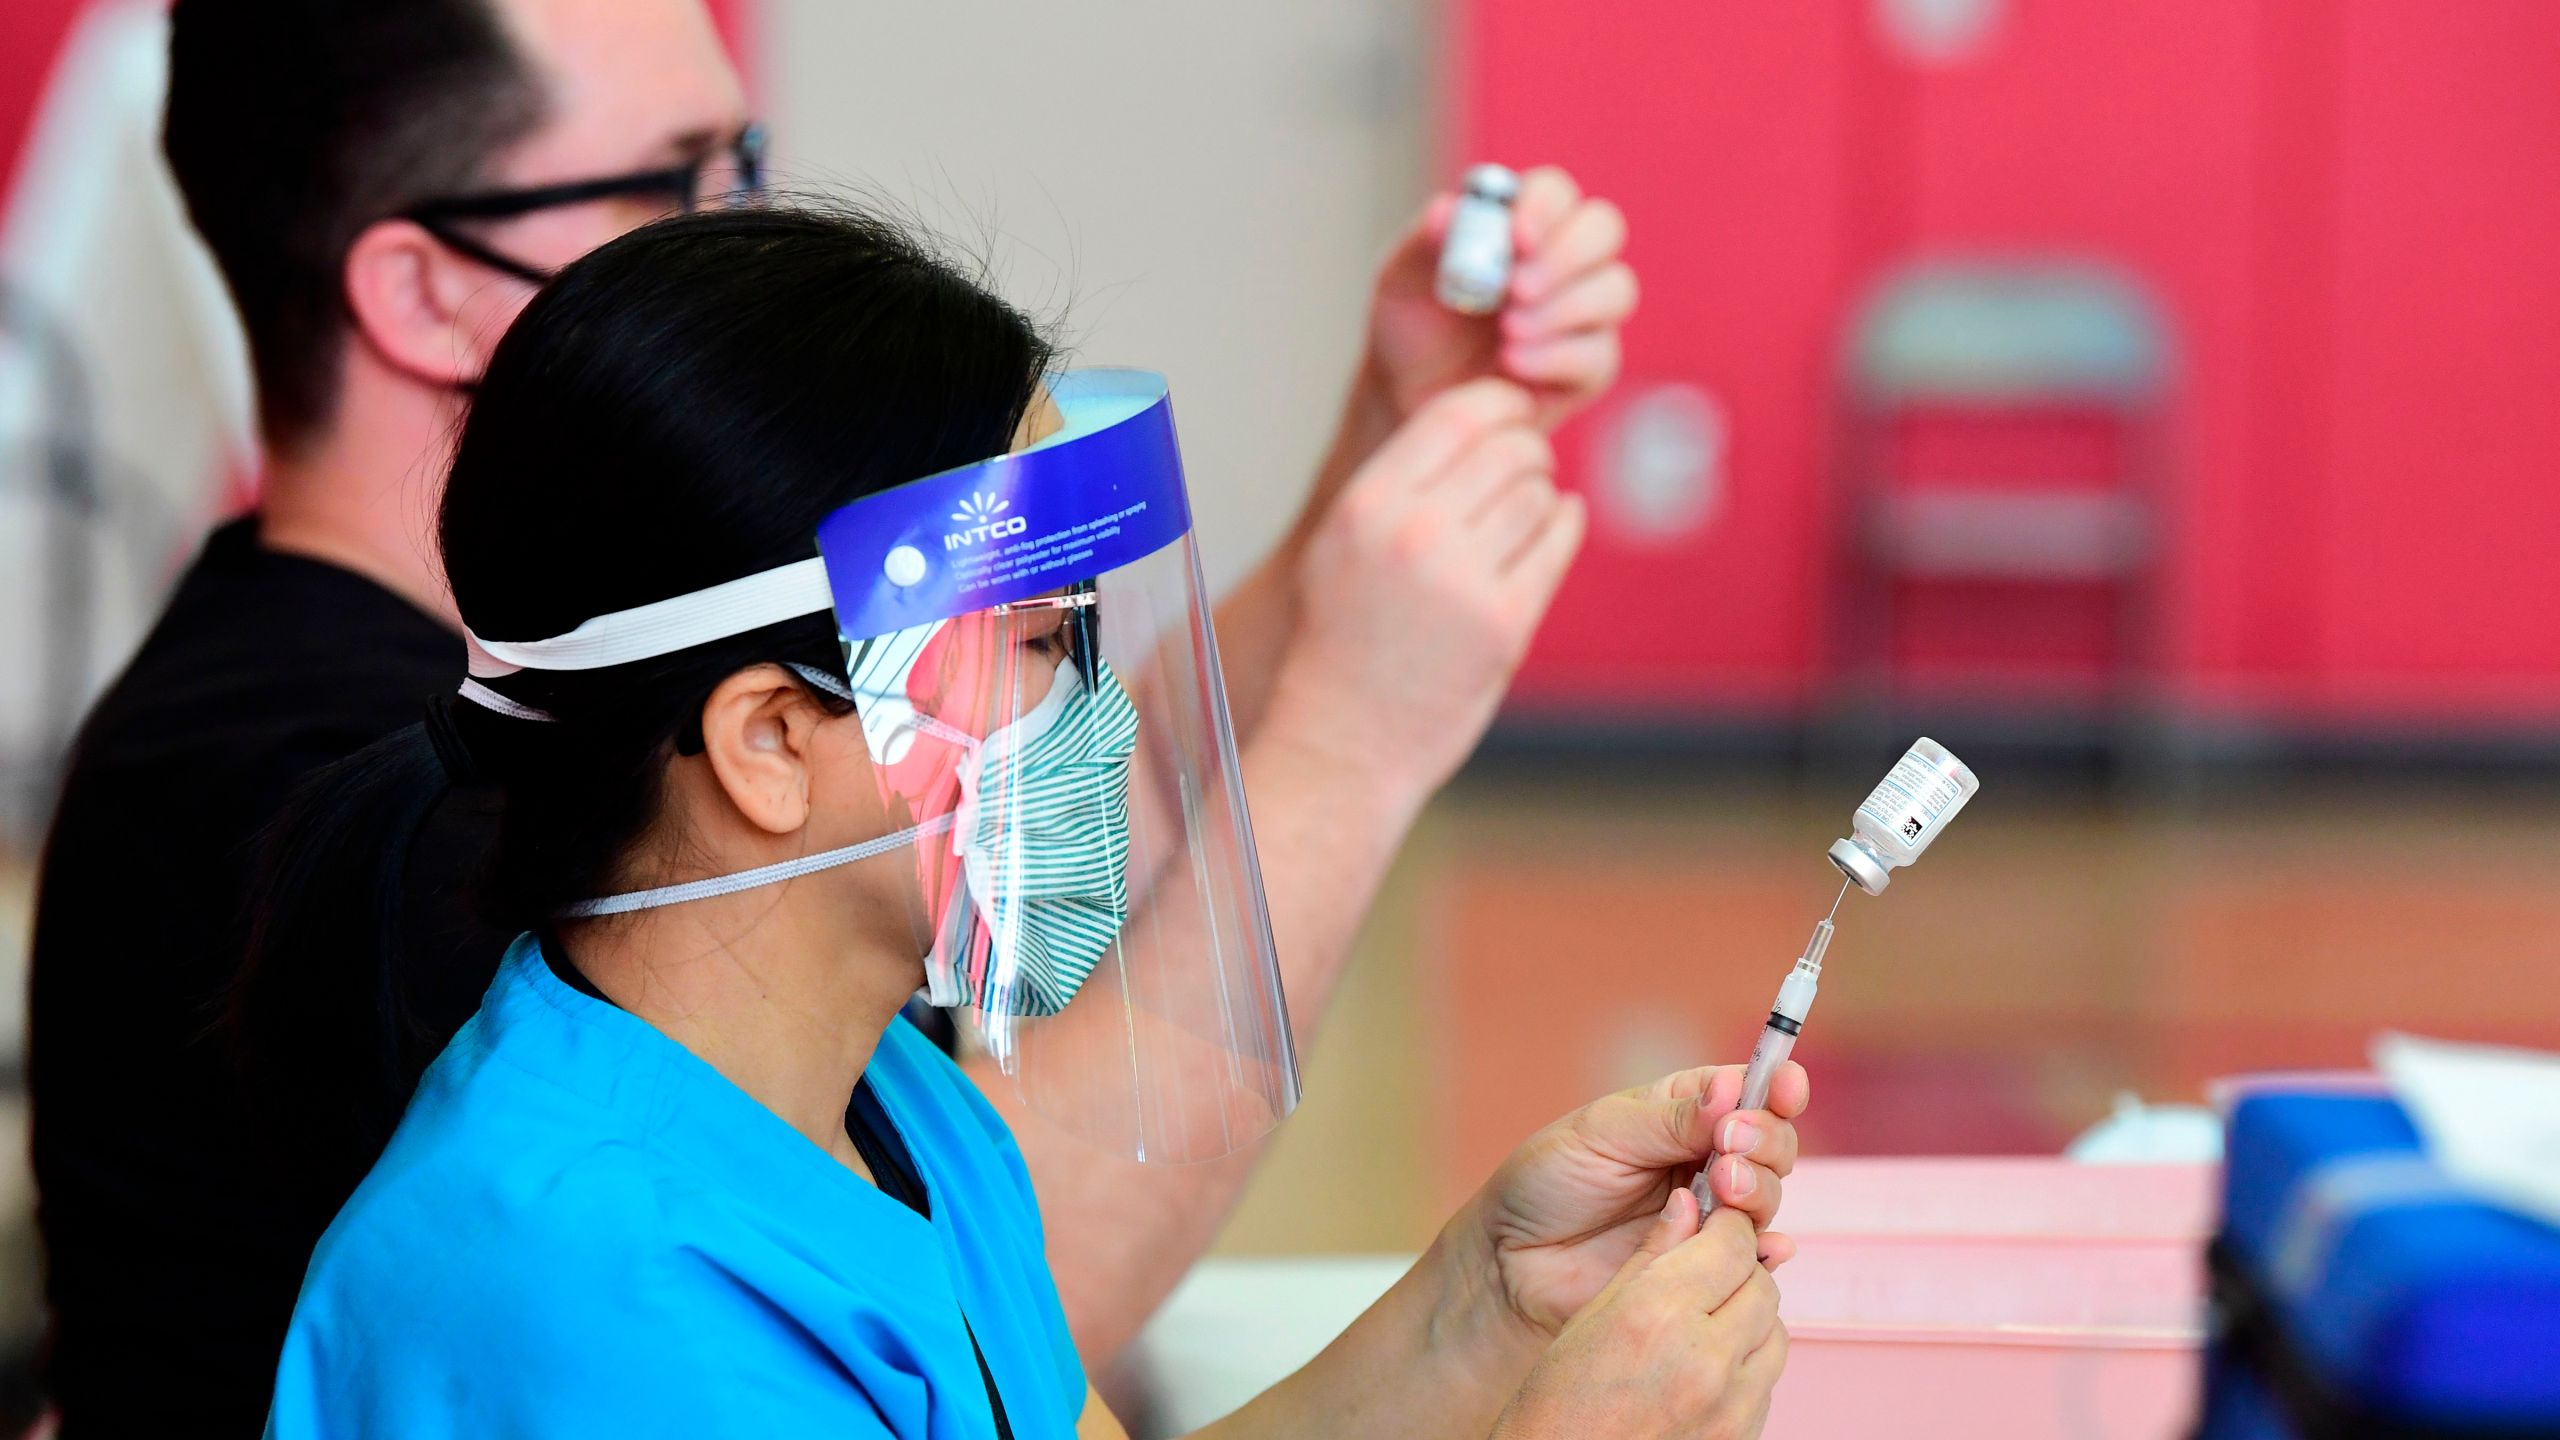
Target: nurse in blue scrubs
{"x":828,"y":647}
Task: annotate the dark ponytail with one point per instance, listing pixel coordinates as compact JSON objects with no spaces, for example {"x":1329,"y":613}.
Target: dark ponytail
{"x":333,"y":1050}
{"x":678,"y":409}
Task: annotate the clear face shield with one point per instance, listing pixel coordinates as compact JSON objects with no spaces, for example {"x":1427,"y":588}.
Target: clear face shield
{"x":1028,"y":647}
{"x":1029,"y":655}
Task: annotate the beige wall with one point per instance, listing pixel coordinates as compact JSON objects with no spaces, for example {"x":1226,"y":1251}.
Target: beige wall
{"x":1201,"y":188}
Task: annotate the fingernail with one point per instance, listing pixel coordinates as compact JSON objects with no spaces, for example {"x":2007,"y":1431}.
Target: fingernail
{"x":1740,"y":1136}
{"x":1744,"y":1182}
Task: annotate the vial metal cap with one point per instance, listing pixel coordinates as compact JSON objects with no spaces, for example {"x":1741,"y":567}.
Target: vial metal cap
{"x":1863,"y":869}
{"x":1491,"y":182}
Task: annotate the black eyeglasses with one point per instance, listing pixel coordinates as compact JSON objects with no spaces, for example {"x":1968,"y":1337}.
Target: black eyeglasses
{"x":731,"y":175}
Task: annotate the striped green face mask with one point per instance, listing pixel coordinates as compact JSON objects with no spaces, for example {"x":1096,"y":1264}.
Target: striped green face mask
{"x":1043,"y":835}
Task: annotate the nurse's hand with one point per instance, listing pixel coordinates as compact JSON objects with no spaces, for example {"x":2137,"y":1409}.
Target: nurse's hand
{"x":1684,"y":1340}
{"x":1578,"y":1296}
{"x":1557,"y":331}
{"x":1567,"y":1211}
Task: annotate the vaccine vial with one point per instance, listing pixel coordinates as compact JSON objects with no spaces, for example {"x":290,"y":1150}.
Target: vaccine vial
{"x":1919,"y":796}
{"x":1475,"y":259}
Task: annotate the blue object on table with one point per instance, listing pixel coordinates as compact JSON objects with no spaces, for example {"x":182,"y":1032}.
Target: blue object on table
{"x":2238,"y":1404}
{"x":2367,"y":1290}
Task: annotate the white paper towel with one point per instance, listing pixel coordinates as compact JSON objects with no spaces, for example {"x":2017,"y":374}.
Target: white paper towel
{"x":2490,"y":1116}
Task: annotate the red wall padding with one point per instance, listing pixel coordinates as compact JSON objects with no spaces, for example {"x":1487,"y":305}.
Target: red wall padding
{"x":2347,"y":211}
{"x":31,"y":36}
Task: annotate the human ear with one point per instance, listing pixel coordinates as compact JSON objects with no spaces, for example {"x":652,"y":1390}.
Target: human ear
{"x":758,"y":730}
{"x":423,"y":309}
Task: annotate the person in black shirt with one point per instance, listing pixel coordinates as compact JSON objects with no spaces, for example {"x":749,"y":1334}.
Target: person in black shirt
{"x":383,"y":184}
{"x":176,"y":1243}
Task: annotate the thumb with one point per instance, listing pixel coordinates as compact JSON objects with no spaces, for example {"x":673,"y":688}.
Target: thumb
{"x":1678,"y":1222}
{"x":1648,"y":1131}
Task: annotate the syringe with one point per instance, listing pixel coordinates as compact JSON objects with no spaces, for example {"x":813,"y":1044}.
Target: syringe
{"x":1778,"y":1037}
{"x":1922,"y":792}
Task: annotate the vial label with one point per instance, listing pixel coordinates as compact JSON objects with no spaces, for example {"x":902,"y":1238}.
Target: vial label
{"x":1479,"y":245}
{"x":1475,"y":260}
{"x":1914,"y":794}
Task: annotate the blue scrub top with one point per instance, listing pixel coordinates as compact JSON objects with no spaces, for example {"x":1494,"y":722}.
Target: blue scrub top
{"x":582,"y":1229}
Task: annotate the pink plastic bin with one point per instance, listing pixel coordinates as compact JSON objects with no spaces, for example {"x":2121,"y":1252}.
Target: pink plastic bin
{"x":1980,"y":1299}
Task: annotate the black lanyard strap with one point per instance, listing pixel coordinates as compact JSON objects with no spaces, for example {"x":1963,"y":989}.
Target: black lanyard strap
{"x":894,"y":1171}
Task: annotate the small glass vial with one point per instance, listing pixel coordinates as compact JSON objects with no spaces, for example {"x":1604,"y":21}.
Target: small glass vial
{"x":1475,"y":259}
{"x":1918,"y":797}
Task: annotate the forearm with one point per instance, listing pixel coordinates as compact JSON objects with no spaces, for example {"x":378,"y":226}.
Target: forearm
{"x":1330,"y":814}
{"x":1256,"y":618}
{"x":1439,"y":1355}
{"x":1123,"y":1234}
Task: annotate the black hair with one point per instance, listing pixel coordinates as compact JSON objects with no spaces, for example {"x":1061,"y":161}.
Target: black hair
{"x":678,"y":409}
{"x":294,"y":124}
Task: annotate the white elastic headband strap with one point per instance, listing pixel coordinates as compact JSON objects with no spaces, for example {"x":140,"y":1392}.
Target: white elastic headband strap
{"x":663,"y":627}
{"x":488,"y":699}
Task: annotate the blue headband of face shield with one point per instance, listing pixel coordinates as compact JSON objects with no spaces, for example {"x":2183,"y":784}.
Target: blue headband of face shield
{"x":1103,"y":492}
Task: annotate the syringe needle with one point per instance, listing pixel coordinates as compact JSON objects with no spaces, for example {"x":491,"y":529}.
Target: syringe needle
{"x":1835,"y":902}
